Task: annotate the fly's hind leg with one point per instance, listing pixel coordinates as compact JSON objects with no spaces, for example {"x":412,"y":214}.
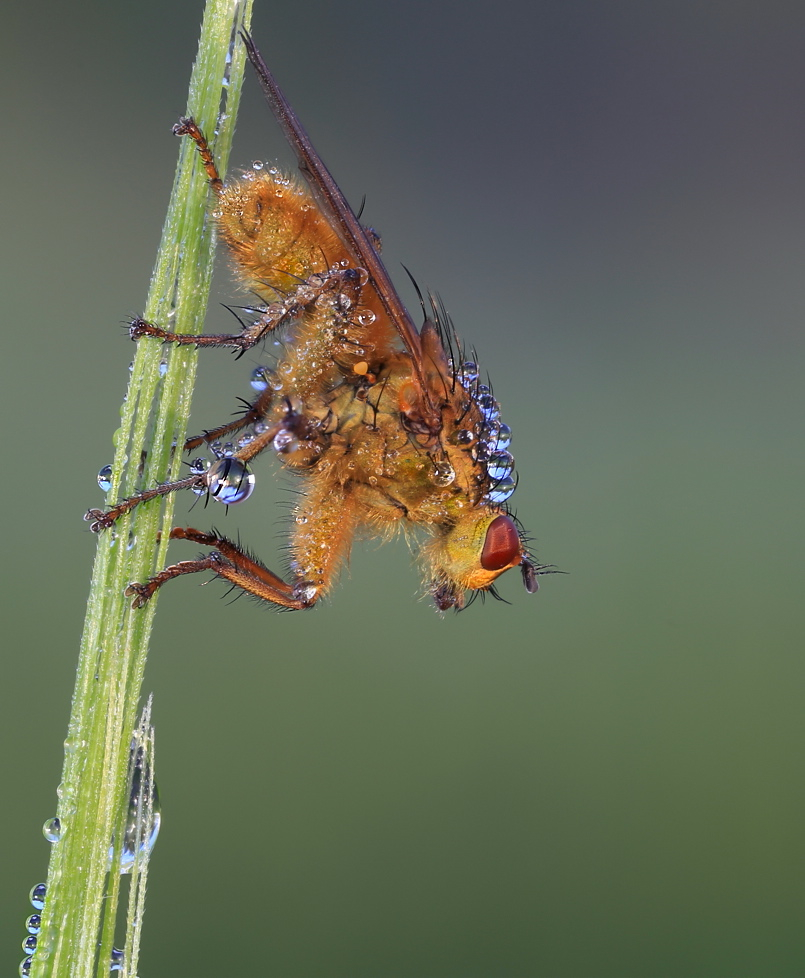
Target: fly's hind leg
{"x":324,"y":525}
{"x":229,"y":561}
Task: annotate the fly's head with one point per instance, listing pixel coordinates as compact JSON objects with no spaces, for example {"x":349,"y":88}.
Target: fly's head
{"x":473,"y":553}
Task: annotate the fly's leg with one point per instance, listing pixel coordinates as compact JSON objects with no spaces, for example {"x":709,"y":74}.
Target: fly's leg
{"x":188,"y":127}
{"x":346,"y":281}
{"x":256,"y":411}
{"x":220,"y":474}
{"x":324,"y":525}
{"x":227,"y":560}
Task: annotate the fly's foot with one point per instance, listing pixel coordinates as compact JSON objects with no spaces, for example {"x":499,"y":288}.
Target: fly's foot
{"x":99,"y":520}
{"x":140,"y":592}
{"x":140,"y":327}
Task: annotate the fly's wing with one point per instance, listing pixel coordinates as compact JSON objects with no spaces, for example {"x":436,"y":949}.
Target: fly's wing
{"x":349,"y":228}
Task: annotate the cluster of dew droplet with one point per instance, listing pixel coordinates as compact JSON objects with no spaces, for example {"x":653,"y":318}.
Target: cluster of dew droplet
{"x":137,"y":838}
{"x":33,"y":926}
{"x":489,"y":440}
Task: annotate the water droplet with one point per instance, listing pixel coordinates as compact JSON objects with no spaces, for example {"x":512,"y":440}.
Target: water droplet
{"x":140,"y":834}
{"x":228,"y":449}
{"x":52,"y":830}
{"x":25,"y":966}
{"x":488,"y":407}
{"x":259,"y":427}
{"x":37,"y":896}
{"x":105,"y":478}
{"x":245,"y":439}
{"x":499,"y":465}
{"x":344,"y":302}
{"x":199,"y":466}
{"x":285,"y":442}
{"x":29,"y":944}
{"x":230,"y":481}
{"x":257,"y":165}
{"x":301,"y":520}
{"x":118,"y":959}
{"x":465,"y":438}
{"x":260,"y":379}
{"x":163,"y":367}
{"x":501,"y":492}
{"x":306,"y":591}
{"x":34,"y":923}
{"x":364,"y":317}
{"x":504,"y":437}
{"x":443,"y":474}
{"x":467,"y":373}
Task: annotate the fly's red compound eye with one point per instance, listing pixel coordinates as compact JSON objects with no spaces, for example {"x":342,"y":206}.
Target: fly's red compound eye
{"x":502,"y":544}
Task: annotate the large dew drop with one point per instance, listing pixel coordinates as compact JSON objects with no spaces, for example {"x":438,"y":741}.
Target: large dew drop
{"x":230,"y":481}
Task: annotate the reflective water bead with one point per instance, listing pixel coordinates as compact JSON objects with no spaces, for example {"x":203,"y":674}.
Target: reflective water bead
{"x":25,"y":966}
{"x":488,"y":433}
{"x":259,"y":379}
{"x":117,"y":960}
{"x":285,"y":442}
{"x":257,"y":165}
{"x":34,"y":923}
{"x":464,"y":438}
{"x":52,"y":830}
{"x":105,"y":478}
{"x":230,"y":481}
{"x":199,"y":466}
{"x":483,"y":389}
{"x":499,"y":465}
{"x":504,"y":438}
{"x":245,"y":439}
{"x":37,"y":896}
{"x":443,"y":474}
{"x":163,"y":367}
{"x":228,"y":449}
{"x":29,"y":944}
{"x":364,"y":316}
{"x":488,"y":407}
{"x":501,"y":492}
{"x":139,"y":835}
{"x":467,"y":373}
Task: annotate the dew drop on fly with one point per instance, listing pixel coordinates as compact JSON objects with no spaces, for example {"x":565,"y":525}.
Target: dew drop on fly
{"x":230,"y":481}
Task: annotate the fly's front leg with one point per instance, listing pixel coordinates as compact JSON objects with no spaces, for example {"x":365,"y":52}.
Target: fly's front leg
{"x":268,"y":318}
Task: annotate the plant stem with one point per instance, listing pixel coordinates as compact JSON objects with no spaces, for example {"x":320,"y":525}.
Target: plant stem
{"x":93,"y":794}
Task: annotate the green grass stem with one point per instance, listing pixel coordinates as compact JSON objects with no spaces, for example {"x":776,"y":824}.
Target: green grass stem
{"x":80,"y":913}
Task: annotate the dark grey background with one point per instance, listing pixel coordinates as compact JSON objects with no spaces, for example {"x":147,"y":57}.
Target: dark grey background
{"x":604,"y":779}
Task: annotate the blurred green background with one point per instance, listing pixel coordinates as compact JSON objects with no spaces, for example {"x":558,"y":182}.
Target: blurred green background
{"x":604,"y":779}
